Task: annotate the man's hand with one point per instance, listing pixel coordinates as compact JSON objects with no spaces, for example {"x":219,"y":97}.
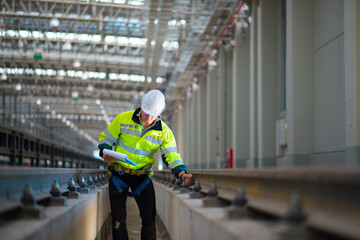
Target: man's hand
{"x":187,"y":176}
{"x":108,"y":158}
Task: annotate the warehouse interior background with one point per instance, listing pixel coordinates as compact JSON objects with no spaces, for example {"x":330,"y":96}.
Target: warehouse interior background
{"x":263,"y":97}
{"x":269,"y":83}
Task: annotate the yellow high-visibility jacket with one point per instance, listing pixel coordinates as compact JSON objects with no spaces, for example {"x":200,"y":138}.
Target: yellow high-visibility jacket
{"x":124,"y":135}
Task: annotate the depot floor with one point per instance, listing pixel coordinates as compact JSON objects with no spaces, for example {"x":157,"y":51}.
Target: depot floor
{"x":133,"y":223}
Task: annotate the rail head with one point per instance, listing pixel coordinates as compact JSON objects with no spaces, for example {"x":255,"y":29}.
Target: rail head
{"x":13,"y":181}
{"x":323,"y":192}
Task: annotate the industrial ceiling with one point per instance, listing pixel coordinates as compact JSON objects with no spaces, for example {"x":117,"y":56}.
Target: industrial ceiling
{"x":70,"y":66}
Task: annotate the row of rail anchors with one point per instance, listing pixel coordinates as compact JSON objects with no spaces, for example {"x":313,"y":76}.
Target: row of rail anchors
{"x":30,"y":207}
{"x":292,"y":226}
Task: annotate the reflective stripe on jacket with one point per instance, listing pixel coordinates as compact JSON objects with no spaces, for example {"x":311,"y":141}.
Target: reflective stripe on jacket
{"x":125,"y":134}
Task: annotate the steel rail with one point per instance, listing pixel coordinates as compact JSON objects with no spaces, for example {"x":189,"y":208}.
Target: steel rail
{"x":14,"y":179}
{"x":330,"y":197}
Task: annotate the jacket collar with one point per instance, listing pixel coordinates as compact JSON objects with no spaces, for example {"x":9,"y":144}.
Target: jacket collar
{"x":136,"y":118}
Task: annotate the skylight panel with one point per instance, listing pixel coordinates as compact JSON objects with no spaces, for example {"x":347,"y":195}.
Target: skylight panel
{"x":136,"y":2}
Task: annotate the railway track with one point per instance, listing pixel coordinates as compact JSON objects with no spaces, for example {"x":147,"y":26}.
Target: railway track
{"x":325,"y":199}
{"x":39,"y":182}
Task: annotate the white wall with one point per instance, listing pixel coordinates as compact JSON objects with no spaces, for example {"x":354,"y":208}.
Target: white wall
{"x":329,"y":102}
{"x":322,"y":116}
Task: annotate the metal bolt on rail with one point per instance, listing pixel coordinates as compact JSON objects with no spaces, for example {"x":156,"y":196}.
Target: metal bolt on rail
{"x":71,"y":185}
{"x":91,"y":184}
{"x":55,"y":189}
{"x":211,"y":199}
{"x":292,"y":227}
{"x":106,"y":178}
{"x":295,"y":212}
{"x":56,"y":199}
{"x":196,"y":194}
{"x":162,"y":179}
{"x":30,"y":209}
{"x":103,"y":176}
{"x":27,"y":197}
{"x":158,"y":178}
{"x":169,"y":183}
{"x":72,"y":190}
{"x":185,"y":187}
{"x":154,"y":177}
{"x":177,"y":186}
{"x":83,"y":186}
{"x":97,"y":181}
{"x":173,"y":181}
{"x":167,"y":180}
{"x":238,"y":208}
{"x":101,"y":180}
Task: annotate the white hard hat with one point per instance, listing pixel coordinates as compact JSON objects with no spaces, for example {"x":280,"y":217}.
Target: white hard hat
{"x":153,"y":102}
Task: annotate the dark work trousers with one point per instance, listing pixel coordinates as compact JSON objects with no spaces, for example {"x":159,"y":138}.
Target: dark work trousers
{"x":145,"y":202}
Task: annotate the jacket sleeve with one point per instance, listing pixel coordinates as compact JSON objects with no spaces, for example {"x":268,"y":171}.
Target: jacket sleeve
{"x":169,"y":154}
{"x":109,"y":136}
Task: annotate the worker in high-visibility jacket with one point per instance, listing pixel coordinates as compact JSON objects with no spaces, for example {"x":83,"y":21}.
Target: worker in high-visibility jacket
{"x":139,"y":134}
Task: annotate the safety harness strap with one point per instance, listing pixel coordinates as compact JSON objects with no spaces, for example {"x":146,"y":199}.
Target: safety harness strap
{"x":121,"y":185}
{"x":141,"y":187}
{"x":114,"y":167}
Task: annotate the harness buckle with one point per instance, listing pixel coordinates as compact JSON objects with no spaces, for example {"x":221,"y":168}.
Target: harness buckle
{"x":120,"y":172}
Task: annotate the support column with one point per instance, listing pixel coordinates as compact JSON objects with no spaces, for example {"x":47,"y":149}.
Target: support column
{"x":221,"y":105}
{"x":228,"y":104}
{"x":202,"y":131}
{"x":196,"y":126}
{"x":180,"y":137}
{"x":10,"y":109}
{"x":352,"y":81}
{"x":20,"y":111}
{"x":211,"y":119}
{"x":224,"y":103}
{"x":267,"y":69}
{"x":187,"y":138}
{"x":299,"y":82}
{"x":14,"y":117}
{"x":253,"y":161}
{"x":240,"y":95}
{"x":190,"y":130}
{"x":4,"y":107}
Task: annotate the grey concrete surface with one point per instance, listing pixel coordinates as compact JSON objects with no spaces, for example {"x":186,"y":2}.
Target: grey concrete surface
{"x":80,"y":219}
{"x":186,"y":218}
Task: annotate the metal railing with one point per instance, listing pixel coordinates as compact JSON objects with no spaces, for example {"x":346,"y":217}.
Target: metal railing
{"x":21,"y":148}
